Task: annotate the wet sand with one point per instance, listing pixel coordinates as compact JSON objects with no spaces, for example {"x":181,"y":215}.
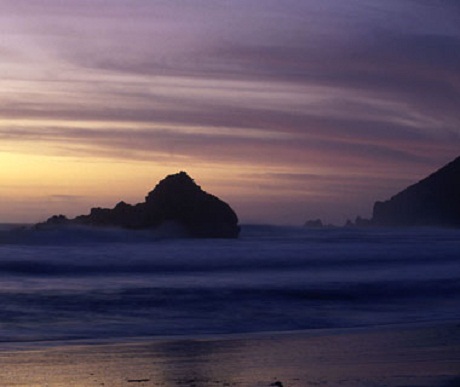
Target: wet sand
{"x":419,"y":355}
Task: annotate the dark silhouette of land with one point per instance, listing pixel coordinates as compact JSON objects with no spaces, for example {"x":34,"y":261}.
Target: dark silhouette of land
{"x":176,"y":201}
{"x":433,"y":201}
{"x":314,"y":223}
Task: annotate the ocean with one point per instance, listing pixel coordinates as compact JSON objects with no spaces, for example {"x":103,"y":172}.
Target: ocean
{"x":90,"y":285}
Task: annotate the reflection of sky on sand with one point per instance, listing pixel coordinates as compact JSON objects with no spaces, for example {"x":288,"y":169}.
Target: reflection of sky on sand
{"x":202,"y":362}
{"x":395,"y":356}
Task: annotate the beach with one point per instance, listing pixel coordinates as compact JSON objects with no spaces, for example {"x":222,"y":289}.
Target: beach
{"x":398,"y":355}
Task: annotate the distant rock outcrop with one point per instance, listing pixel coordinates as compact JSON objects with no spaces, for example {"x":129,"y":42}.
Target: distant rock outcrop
{"x":359,"y":222}
{"x":433,"y":201}
{"x":314,"y":223}
{"x":176,"y":200}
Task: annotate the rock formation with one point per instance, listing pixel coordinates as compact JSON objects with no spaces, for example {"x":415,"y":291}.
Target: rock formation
{"x":359,"y":222}
{"x":314,"y":223}
{"x":433,"y":201}
{"x":177,"y":200}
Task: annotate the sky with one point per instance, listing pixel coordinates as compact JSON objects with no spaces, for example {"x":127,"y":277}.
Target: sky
{"x":286,"y":109}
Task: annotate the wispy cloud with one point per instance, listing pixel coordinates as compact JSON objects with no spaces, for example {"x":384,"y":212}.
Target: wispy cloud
{"x":362,"y":88}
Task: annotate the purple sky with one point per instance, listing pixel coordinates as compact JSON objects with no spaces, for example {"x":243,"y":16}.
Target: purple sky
{"x":288,"y":110}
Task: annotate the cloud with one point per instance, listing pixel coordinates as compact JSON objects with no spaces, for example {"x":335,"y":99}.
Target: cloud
{"x":265,"y":146}
{"x":66,"y":198}
{"x":355,"y":89}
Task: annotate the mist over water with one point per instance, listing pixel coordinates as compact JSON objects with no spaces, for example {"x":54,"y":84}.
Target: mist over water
{"x":86,"y":284}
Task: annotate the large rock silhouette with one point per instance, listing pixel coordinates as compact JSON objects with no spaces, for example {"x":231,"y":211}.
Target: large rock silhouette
{"x":176,"y":200}
{"x":433,"y":201}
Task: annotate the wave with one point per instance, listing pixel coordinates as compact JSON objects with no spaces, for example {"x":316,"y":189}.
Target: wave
{"x":89,"y":283}
{"x":61,"y":235}
{"x":71,"y":235}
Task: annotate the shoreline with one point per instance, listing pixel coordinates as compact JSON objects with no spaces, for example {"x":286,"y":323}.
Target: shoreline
{"x":419,"y":354}
{"x":38,"y":345}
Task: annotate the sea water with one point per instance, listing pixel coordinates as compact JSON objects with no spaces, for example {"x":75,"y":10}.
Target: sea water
{"x":76,"y":284}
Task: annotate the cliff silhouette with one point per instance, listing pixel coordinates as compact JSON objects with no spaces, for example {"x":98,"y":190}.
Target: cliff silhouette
{"x":433,"y":201}
{"x":176,"y":200}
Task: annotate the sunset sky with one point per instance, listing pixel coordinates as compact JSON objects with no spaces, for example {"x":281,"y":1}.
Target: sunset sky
{"x":286,"y":109}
